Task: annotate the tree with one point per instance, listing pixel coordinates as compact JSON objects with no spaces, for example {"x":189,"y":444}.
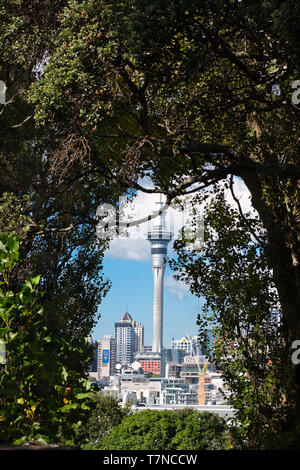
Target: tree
{"x":232,"y":274}
{"x":58,"y":225}
{"x":52,"y":212}
{"x":186,"y":92}
{"x":42,"y":397}
{"x":167,"y":430}
{"x":105,"y":416}
{"x":36,"y":209}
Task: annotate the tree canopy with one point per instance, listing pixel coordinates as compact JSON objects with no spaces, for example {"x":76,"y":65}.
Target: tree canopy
{"x":251,"y":346}
{"x":187,"y":93}
{"x":167,"y":430}
{"x":44,"y":393}
{"x":102,"y":93}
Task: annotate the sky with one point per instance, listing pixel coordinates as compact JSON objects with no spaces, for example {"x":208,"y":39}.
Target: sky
{"x":127,"y":264}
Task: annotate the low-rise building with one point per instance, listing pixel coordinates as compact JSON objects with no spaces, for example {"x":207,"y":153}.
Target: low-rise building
{"x":177,"y":392}
{"x":149,"y":361}
{"x":172,"y":370}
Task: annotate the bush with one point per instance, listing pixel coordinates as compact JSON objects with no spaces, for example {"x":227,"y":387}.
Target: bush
{"x":105,"y":415}
{"x":43,"y":394}
{"x":167,"y":430}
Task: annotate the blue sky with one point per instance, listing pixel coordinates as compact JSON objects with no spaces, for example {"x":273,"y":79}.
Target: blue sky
{"x":132,"y":285}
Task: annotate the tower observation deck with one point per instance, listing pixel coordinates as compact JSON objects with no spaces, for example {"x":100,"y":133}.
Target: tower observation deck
{"x":159,"y":237}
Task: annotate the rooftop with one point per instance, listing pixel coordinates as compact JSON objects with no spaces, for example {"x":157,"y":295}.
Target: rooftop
{"x":126,"y":317}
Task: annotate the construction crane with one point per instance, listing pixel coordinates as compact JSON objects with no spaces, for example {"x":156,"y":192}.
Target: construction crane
{"x":201,"y":373}
{"x":201,"y":387}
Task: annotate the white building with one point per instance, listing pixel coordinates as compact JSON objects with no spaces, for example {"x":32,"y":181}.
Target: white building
{"x":199,"y":359}
{"x":176,"y":391}
{"x":138,"y":331}
{"x":124,"y":336}
{"x":188,"y":345}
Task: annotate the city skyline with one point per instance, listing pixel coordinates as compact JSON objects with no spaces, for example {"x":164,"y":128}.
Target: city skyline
{"x":127,"y":264}
{"x":132,"y":290}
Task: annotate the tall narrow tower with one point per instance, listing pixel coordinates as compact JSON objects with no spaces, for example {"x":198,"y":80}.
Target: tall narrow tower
{"x":159,"y":238}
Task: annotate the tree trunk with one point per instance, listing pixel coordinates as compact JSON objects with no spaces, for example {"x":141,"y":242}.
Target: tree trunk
{"x":282,"y":223}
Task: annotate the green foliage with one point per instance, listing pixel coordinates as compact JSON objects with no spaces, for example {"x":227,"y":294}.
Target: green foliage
{"x":53,"y":213}
{"x":57,"y":225}
{"x":13,"y":218}
{"x":44,"y":395}
{"x":167,"y":430}
{"x":241,"y":303}
{"x":103,"y":91}
{"x":105,"y":415}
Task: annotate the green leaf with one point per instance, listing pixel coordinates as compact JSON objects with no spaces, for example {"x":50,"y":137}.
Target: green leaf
{"x":20,"y":441}
{"x":13,"y":244}
{"x":64,"y":373}
{"x":3,"y":331}
{"x":83,"y":395}
{"x":35,"y":280}
{"x":2,"y":247}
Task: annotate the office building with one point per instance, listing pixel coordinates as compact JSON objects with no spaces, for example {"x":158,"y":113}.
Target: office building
{"x":124,"y":335}
{"x":106,"y":358}
{"x":172,"y":370}
{"x":175,"y":391}
{"x":170,"y":356}
{"x":94,"y":363}
{"x":138,"y":331}
{"x":188,"y":345}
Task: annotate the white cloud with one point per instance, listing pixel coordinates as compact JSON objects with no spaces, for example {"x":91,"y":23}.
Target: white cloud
{"x":177,"y":288}
{"x":136,"y":247}
{"x":137,"y":250}
{"x":242,"y":193}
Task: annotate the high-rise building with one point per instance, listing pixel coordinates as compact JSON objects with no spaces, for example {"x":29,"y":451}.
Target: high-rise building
{"x":139,"y":336}
{"x":94,"y":364}
{"x":125,"y":340}
{"x":138,"y":331}
{"x":106,"y":357}
{"x":159,"y":238}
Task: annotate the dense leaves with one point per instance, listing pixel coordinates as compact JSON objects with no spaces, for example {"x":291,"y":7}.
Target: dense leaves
{"x":105,"y":415}
{"x":232,"y":274}
{"x":102,"y":93}
{"x":167,"y":430}
{"x":43,"y":397}
{"x":188,"y":93}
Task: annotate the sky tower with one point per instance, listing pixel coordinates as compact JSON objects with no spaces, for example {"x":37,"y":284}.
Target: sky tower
{"x":159,"y":238}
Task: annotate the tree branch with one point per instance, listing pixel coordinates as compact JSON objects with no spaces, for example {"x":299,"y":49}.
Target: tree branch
{"x":259,"y":240}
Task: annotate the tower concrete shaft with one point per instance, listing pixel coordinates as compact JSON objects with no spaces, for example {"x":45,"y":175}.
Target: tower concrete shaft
{"x":158,"y":276}
{"x":159,"y":238}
